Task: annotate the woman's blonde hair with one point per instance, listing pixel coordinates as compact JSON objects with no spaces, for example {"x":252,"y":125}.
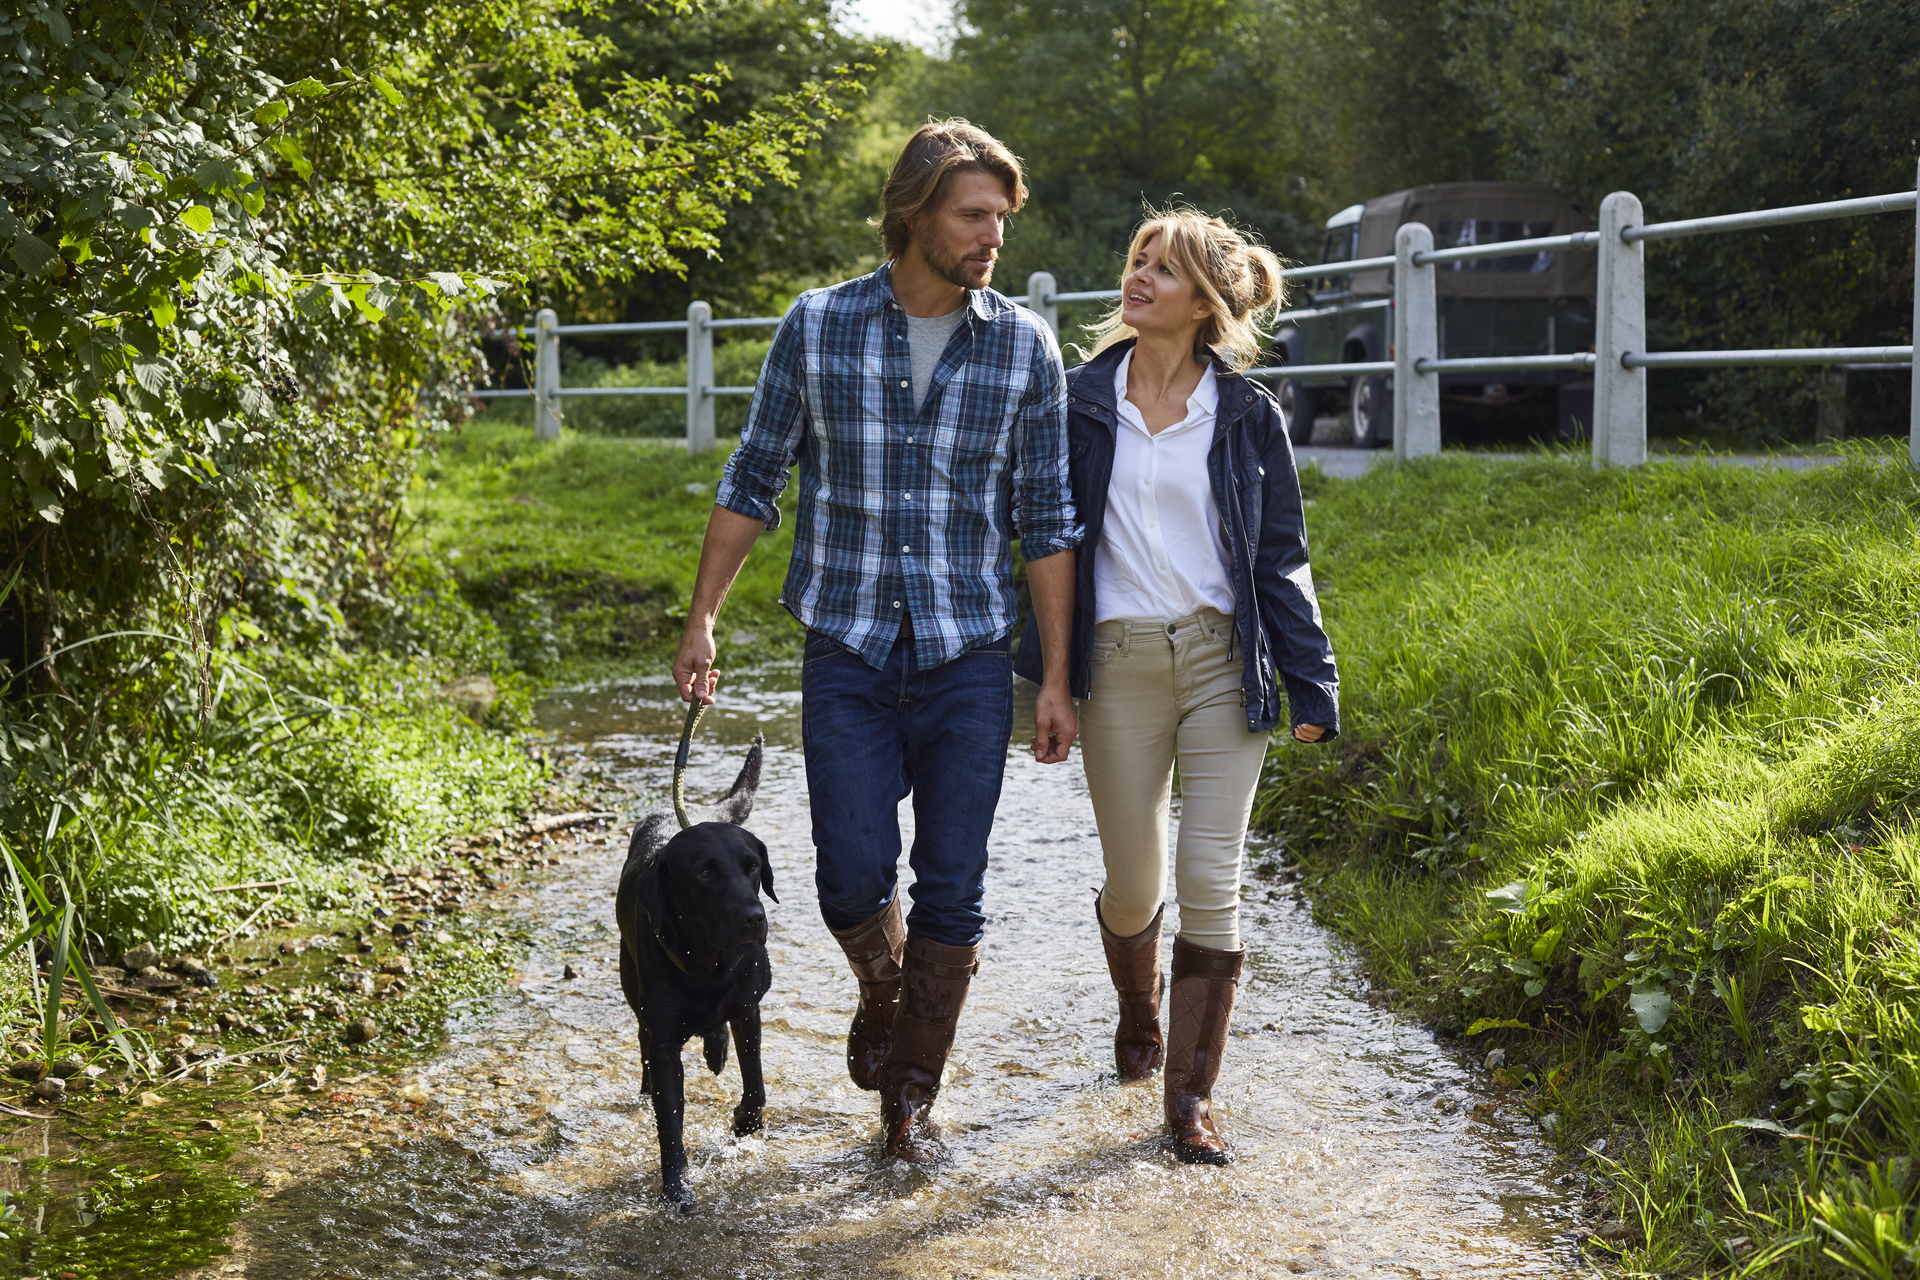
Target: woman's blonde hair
{"x":1237,"y":276}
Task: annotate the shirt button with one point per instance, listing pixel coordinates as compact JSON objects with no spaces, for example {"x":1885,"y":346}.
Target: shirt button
{"x":906,"y":497}
{"x":903,"y":382}
{"x":906,"y":550}
{"x":896,"y":603}
{"x":909,"y":439}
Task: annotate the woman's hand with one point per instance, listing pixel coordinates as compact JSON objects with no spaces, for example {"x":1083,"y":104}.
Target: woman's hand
{"x":1309,"y":732}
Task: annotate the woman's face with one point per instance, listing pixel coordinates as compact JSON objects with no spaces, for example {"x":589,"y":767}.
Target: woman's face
{"x":1157,"y":299}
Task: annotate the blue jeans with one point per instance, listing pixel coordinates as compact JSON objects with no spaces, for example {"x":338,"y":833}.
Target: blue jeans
{"x":874,"y":736}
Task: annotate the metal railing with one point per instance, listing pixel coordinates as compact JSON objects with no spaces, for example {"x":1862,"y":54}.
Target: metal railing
{"x":1618,"y":361}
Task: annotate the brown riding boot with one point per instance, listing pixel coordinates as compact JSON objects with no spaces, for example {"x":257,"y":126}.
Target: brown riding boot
{"x":1135,"y":965}
{"x":933,"y":987}
{"x":1200,"y":1006}
{"x":873,"y":951}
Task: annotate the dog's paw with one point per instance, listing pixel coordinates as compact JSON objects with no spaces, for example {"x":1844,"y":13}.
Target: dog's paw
{"x":677,"y":1195}
{"x":748,"y":1118}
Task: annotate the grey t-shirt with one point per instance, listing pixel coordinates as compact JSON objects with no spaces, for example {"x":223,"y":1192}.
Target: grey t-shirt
{"x":927,"y":338}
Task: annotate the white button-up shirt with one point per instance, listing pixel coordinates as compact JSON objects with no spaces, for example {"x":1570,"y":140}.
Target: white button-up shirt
{"x":1161,"y":555}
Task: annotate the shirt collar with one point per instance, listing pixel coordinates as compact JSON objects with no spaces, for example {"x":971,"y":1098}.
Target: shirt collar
{"x":1203,"y":403}
{"x":984,"y":304}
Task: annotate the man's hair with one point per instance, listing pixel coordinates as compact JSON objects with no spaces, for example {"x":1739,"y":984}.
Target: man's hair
{"x":937,"y":150}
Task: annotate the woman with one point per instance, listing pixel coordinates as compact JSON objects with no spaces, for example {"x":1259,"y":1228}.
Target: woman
{"x":1194,"y":604}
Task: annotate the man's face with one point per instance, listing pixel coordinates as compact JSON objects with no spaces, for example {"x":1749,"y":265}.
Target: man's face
{"x":960,"y":239}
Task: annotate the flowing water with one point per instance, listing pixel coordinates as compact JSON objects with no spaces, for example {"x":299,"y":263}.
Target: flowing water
{"x":1358,"y":1151}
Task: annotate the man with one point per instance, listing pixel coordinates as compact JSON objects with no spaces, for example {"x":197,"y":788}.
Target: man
{"x":927,"y":417}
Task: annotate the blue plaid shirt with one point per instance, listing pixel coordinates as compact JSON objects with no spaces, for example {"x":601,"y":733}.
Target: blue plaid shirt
{"x":904,"y":509}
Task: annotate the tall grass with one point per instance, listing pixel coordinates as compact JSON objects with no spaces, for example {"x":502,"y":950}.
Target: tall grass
{"x":1633,"y":760}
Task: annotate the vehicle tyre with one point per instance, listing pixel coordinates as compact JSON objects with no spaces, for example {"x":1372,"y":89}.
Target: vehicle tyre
{"x":1372,"y":400}
{"x":1300,"y":404}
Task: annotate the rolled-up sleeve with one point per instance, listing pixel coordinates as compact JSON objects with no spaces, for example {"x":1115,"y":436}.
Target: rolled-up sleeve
{"x":1042,"y":497}
{"x":756,"y":474}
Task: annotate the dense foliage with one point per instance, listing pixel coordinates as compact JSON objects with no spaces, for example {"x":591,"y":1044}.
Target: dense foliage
{"x":251,"y":249}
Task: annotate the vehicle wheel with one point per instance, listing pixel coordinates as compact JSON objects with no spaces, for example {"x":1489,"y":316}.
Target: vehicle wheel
{"x":1372,"y":412}
{"x":1299,"y":404}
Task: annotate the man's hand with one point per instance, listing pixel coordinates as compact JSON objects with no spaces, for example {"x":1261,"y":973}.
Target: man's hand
{"x":1309,"y":732}
{"x":730,"y":536}
{"x":1054,"y":727}
{"x":693,"y":666}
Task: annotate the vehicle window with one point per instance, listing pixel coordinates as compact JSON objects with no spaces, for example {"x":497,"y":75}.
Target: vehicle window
{"x":1493,"y":231}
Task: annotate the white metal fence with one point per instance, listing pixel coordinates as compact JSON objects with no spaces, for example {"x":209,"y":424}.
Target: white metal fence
{"x":1619,"y":360}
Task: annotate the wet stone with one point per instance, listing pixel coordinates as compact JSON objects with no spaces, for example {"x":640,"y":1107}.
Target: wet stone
{"x":27,"y":1069}
{"x":361,"y":1030}
{"x":140,"y":956}
{"x":67,"y":1068}
{"x":50,"y":1089}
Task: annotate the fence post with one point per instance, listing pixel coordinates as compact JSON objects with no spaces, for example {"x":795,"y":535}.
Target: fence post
{"x":1913,"y":409}
{"x":1040,"y":291}
{"x":546,"y":375}
{"x":1620,"y":393}
{"x":1416,"y":395}
{"x":699,"y":378}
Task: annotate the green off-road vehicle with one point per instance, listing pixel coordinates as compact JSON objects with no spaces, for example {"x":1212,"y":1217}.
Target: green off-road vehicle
{"x":1531,"y":304}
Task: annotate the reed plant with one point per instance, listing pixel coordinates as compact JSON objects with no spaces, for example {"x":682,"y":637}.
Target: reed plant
{"x":1628,"y":786}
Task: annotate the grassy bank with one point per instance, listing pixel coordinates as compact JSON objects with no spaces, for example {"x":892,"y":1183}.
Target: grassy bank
{"x":583,"y":552}
{"x":1627,"y":793}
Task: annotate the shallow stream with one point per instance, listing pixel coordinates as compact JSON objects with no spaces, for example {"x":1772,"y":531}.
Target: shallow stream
{"x":1359,"y":1154}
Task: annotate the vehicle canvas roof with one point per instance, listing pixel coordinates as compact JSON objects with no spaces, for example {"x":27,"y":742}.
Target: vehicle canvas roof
{"x":1478,"y":213}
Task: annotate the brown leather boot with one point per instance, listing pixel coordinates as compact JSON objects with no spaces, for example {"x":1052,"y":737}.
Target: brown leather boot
{"x":1200,"y":1007}
{"x":1135,"y":965}
{"x":873,"y":950}
{"x":933,"y":987}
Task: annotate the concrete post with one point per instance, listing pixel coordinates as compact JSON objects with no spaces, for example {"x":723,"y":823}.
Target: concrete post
{"x":1620,"y":393}
{"x":1913,"y":409}
{"x":699,"y":378}
{"x":546,"y":375}
{"x":1416,"y":337}
{"x":1040,"y":291}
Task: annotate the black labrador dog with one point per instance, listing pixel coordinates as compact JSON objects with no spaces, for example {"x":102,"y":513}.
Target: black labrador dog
{"x":693,"y":958}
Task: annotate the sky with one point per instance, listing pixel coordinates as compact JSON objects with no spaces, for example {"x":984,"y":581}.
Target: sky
{"x":921,"y":22}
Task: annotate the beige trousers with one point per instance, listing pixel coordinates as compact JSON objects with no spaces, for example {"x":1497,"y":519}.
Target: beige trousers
{"x":1167,"y":693}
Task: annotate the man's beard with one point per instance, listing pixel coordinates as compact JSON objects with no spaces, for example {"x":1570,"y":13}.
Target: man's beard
{"x":956,"y":269}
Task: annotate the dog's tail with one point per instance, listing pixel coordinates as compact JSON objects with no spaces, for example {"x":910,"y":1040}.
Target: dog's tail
{"x":737,"y":804}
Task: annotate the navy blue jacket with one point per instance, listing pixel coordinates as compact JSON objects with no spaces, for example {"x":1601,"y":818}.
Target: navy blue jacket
{"x":1257,"y":489}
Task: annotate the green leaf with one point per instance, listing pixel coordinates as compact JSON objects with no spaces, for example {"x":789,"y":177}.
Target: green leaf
{"x":152,"y":374}
{"x":1548,"y":943}
{"x":272,"y":112}
{"x":1767,"y":1126}
{"x":447,"y":282}
{"x":135,"y":217}
{"x":197,"y":218}
{"x":254,"y":402}
{"x":35,"y":256}
{"x":217,"y":175}
{"x":1494,"y":1024}
{"x":1511,"y":898}
{"x":45,"y":505}
{"x":307,"y":88}
{"x":1651,"y":1006}
{"x":58,"y":29}
{"x":289,"y":150}
{"x":12,"y":364}
{"x":1535,"y":987}
{"x":160,"y":304}
{"x":387,"y":91}
{"x":358,"y":297}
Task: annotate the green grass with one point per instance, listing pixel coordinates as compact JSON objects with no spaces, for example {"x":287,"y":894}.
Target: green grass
{"x":1632,"y":760}
{"x":583,"y":551}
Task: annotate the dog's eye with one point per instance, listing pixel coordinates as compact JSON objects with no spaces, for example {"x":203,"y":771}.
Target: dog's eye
{"x":704,"y":873}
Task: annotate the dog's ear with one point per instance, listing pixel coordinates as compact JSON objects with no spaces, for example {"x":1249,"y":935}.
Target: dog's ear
{"x":766,"y":870}
{"x":650,"y":887}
